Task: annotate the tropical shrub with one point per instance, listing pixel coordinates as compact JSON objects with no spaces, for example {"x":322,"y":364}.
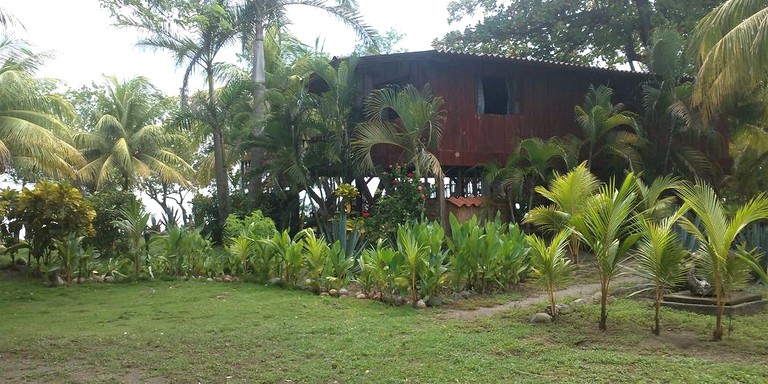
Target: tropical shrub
{"x":10,"y":222}
{"x":402,"y":201}
{"x":69,"y":252}
{"x":288,"y":255}
{"x":132,"y":223}
{"x":381,"y":265}
{"x":254,"y":226}
{"x":52,"y":212}
{"x":107,"y":205}
{"x":182,"y":250}
{"x":316,"y":254}
{"x":494,"y":255}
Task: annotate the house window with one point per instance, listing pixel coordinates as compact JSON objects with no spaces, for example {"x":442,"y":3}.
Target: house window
{"x":499,"y":96}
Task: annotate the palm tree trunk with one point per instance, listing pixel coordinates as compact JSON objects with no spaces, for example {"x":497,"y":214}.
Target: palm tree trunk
{"x":603,"y":303}
{"x":258,"y":77}
{"x":441,"y":200}
{"x":657,"y":329}
{"x":552,"y":307}
{"x":222,"y":182}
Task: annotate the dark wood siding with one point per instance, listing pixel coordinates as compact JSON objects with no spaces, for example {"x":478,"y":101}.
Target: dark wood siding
{"x":549,"y":93}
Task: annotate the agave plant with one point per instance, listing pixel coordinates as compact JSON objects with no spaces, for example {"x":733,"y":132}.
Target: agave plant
{"x":549,"y":265}
{"x":717,"y":234}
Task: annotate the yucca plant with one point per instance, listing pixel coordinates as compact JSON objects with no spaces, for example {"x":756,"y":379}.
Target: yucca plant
{"x":567,"y":194}
{"x":660,"y":259}
{"x":717,"y":235}
{"x":607,"y":226}
{"x":549,"y":264}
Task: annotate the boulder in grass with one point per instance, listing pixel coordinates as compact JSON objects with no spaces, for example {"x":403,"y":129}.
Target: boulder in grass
{"x":541,"y":318}
{"x":333,"y":292}
{"x":109,"y":279}
{"x":362,"y":296}
{"x":421,"y":304}
{"x":343,"y":292}
{"x":274,"y":281}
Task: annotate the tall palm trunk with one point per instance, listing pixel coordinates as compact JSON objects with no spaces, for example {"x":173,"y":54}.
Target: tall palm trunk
{"x":222,"y":181}
{"x":258,"y":77}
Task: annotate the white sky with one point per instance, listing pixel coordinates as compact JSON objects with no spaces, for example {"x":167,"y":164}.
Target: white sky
{"x":87,"y":46}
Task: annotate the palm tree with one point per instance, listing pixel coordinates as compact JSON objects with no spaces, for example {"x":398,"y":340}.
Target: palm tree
{"x":128,"y":143}
{"x":657,"y":200}
{"x":255,"y":17}
{"x":416,"y":132}
{"x":601,"y":124}
{"x":33,"y":138}
{"x":530,"y":165}
{"x":194,"y":33}
{"x":549,"y":265}
{"x":730,"y":45}
{"x":567,"y":195}
{"x":607,"y":227}
{"x":716,"y":235}
{"x":660,"y":259}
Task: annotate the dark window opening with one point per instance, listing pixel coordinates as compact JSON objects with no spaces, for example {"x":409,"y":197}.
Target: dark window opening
{"x":497,"y":96}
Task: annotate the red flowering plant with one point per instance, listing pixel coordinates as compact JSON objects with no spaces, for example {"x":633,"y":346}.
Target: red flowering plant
{"x":402,"y":200}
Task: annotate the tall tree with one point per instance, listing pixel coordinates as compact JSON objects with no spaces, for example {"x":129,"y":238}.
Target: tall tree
{"x":194,"y":33}
{"x":730,"y":45}
{"x":255,"y":17}
{"x":583,"y":31}
{"x":128,"y":142}
{"x":33,"y":138}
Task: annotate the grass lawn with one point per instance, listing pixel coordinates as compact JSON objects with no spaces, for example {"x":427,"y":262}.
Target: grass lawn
{"x":189,"y":332}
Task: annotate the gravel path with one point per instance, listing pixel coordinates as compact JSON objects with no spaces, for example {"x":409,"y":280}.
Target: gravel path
{"x":583,"y":290}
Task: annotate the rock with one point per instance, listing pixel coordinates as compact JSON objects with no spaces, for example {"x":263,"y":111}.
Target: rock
{"x":20,"y":262}
{"x":274,"y":281}
{"x":210,"y":279}
{"x":324,"y":294}
{"x":98,"y":278}
{"x":435,"y":301}
{"x":421,"y":304}
{"x":377,"y":296}
{"x":60,"y":281}
{"x":323,"y":289}
{"x":343,"y":292}
{"x":465,"y":294}
{"x":227,"y":279}
{"x":541,"y":318}
{"x":399,"y":301}
{"x":109,"y":279}
{"x":560,"y":309}
{"x":578,"y":302}
{"x":81,"y":280}
{"x":334,"y":292}
{"x":597,"y":296}
{"x":362,"y":296}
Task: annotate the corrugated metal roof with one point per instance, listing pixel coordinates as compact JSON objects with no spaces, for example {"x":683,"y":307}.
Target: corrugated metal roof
{"x":511,"y":59}
{"x":470,"y":201}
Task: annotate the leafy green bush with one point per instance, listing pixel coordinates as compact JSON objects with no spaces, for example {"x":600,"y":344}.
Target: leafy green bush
{"x":50,"y":212}
{"x":484,"y":257}
{"x":107,"y":205}
{"x":182,"y":251}
{"x":254,"y":226}
{"x":402,"y":201}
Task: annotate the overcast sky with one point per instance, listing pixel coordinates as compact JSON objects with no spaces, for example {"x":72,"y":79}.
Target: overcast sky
{"x":87,"y":46}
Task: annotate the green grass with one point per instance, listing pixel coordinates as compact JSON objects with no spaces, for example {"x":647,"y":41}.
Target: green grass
{"x":168,"y":332}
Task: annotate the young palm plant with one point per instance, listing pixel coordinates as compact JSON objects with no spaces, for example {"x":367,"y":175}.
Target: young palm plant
{"x":567,"y":194}
{"x":716,"y":235}
{"x":660,"y":259}
{"x":414,"y":255}
{"x":133,"y":224}
{"x":608,"y":227}
{"x":316,"y":253}
{"x":549,"y":265}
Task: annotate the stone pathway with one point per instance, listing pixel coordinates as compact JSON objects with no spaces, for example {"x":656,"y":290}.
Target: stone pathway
{"x":583,"y":291}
